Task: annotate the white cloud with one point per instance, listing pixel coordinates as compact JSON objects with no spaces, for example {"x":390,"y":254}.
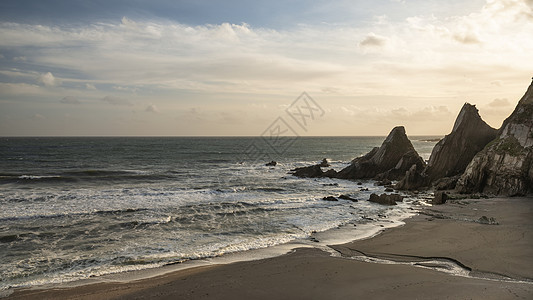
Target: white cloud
{"x":436,"y":60}
{"x":373,"y":40}
{"x":152,"y":108}
{"x":48,"y":79}
{"x":70,"y":100}
{"x":117,"y":101}
{"x":499,"y":102}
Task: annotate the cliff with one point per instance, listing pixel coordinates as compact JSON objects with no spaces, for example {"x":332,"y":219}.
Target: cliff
{"x":505,"y":165}
{"x":452,"y":154}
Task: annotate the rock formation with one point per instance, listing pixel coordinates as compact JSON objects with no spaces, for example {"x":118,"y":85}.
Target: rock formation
{"x":385,"y":199}
{"x":308,"y":172}
{"x":314,"y":171}
{"x":440,"y":198}
{"x":390,"y":161}
{"x":505,"y":165}
{"x":453,"y":153}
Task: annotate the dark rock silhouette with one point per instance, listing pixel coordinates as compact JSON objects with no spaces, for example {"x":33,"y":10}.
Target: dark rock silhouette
{"x":308,"y":172}
{"x":451,"y":155}
{"x":505,"y":165}
{"x":440,"y":198}
{"x":324,"y":163}
{"x":385,"y":199}
{"x":346,"y":197}
{"x":390,"y":161}
{"x":412,"y":180}
{"x":330,"y":198}
{"x":271,"y":164}
{"x":315,"y":171}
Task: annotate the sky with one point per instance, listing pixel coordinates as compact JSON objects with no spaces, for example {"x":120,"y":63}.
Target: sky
{"x":236,"y":67}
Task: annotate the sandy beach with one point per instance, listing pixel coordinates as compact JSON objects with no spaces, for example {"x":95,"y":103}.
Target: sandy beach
{"x":496,"y":262}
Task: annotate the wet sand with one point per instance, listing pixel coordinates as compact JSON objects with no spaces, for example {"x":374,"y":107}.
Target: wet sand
{"x":450,"y":232}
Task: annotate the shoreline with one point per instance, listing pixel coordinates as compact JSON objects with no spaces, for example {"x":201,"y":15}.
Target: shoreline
{"x":503,"y":254}
{"x":341,"y":234}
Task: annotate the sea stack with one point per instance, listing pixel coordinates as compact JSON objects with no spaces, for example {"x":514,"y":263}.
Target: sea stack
{"x":505,"y":165}
{"x":452,"y":154}
{"x":390,"y":161}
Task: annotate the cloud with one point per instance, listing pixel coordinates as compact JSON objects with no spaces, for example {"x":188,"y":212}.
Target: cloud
{"x":20,"y":58}
{"x":90,"y":86}
{"x":48,"y":79}
{"x":117,"y":101}
{"x":497,"y":82}
{"x":467,"y":38}
{"x":38,"y":117}
{"x":499,"y":102}
{"x":373,"y":40}
{"x":152,"y":108}
{"x":70,"y":100}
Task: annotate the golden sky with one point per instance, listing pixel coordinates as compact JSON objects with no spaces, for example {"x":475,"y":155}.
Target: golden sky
{"x":208,"y":69}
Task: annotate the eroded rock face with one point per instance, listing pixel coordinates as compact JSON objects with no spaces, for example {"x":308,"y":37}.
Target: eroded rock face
{"x":451,"y":155}
{"x":505,"y":165}
{"x":390,"y":161}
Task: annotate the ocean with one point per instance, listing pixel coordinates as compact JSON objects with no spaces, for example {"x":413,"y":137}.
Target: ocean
{"x":76,"y":207}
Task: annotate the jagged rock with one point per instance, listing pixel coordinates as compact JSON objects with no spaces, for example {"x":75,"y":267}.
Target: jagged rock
{"x":330,"y":198}
{"x":383,"y":182}
{"x":389,"y":189}
{"x":412,"y":180}
{"x":487,"y":221}
{"x":324,"y":163}
{"x":271,"y":164}
{"x":346,"y":197}
{"x":308,"y":172}
{"x":330,"y":173}
{"x":390,"y":161}
{"x":505,"y":165}
{"x":385,"y":199}
{"x":446,"y":183}
{"x":440,"y":198}
{"x":453,"y":153}
{"x":315,"y":171}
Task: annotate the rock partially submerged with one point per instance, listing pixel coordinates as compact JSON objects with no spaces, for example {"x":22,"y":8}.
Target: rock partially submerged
{"x":271,"y":164}
{"x":308,"y":172}
{"x":314,"y":171}
{"x":386,"y":199}
{"x":390,"y":161}
{"x":330,"y":198}
{"x":505,"y":165}
{"x":440,"y":198}
{"x":346,"y":197}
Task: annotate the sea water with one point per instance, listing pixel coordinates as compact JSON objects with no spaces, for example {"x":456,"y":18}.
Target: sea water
{"x":73,"y":208}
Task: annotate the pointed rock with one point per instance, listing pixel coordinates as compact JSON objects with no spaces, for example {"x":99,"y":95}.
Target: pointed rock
{"x":505,"y":165}
{"x":451,"y":155}
{"x":395,"y":156}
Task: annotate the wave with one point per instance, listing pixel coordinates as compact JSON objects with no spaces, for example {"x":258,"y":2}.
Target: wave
{"x":89,"y":176}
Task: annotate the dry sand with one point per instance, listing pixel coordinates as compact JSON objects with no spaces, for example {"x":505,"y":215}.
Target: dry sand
{"x":446,"y":231}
